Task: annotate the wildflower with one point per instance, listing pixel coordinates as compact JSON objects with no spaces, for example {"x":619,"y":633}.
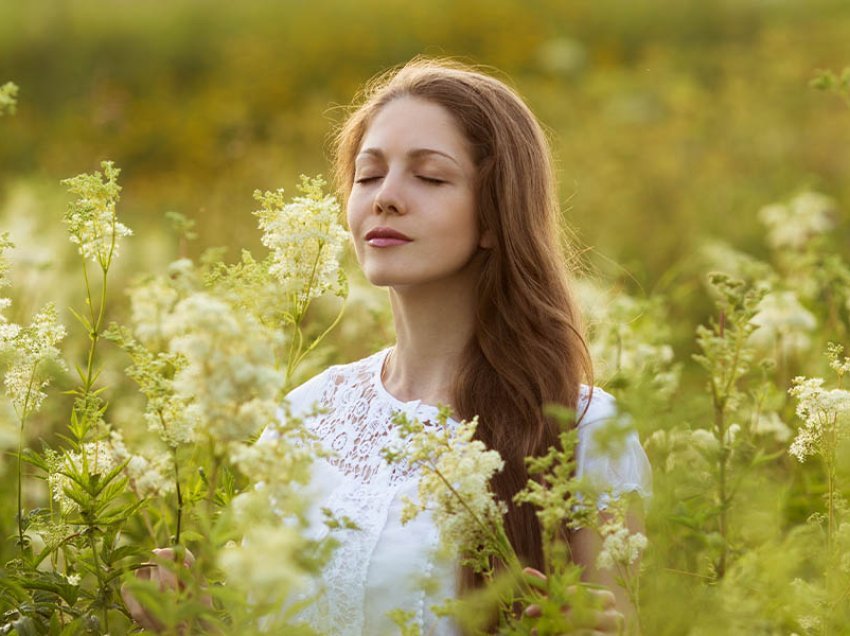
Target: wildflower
{"x":31,"y":346}
{"x":229,"y":379}
{"x":454,"y":480}
{"x":305,"y":238}
{"x":73,"y":579}
{"x":148,"y":476}
{"x":166,"y":413}
{"x":91,"y":219}
{"x":838,"y":364}
{"x":781,"y":318}
{"x":150,"y":303}
{"x":791,"y":225}
{"x":8,"y":98}
{"x":825,"y":414}
{"x":620,"y":548}
{"x":249,"y":568}
{"x":771,"y":424}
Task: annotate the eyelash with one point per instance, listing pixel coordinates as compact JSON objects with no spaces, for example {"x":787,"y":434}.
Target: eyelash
{"x":425,"y":179}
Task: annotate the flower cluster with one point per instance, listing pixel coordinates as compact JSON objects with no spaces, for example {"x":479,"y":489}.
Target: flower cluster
{"x":781,"y":319}
{"x":620,"y":547}
{"x":825,"y":414}
{"x":33,"y":345}
{"x":454,"y":481}
{"x":305,"y":238}
{"x":166,"y":413}
{"x":628,"y":338}
{"x":228,"y":379}
{"x":91,"y":219}
{"x":28,"y":347}
{"x":793,"y":224}
{"x":8,"y":98}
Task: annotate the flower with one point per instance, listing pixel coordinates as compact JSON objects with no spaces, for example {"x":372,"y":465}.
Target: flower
{"x":228,"y":379}
{"x":8,"y":98}
{"x":248,"y":566}
{"x":781,"y":318}
{"x":620,"y":548}
{"x":150,"y":303}
{"x":825,"y":414}
{"x":454,"y":483}
{"x":91,"y":219}
{"x":30,"y":347}
{"x":305,"y":238}
{"x":791,"y":225}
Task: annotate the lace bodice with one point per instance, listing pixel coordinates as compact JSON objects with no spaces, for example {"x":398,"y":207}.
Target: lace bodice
{"x":383,"y":565}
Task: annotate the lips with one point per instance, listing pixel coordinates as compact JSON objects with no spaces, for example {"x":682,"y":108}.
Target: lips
{"x":386,"y":237}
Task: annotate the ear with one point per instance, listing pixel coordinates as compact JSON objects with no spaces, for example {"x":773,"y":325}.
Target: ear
{"x":487,"y":240}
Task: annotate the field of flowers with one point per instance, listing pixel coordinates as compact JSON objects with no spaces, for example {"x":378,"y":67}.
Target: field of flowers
{"x":139,"y":365}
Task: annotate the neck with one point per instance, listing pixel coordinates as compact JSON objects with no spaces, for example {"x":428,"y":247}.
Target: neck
{"x":433,"y":324}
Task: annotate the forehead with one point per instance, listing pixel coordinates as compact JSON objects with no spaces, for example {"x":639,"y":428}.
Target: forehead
{"x":408,"y":123}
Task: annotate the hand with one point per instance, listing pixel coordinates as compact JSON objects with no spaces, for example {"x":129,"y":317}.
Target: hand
{"x":167,"y":580}
{"x":607,"y":620}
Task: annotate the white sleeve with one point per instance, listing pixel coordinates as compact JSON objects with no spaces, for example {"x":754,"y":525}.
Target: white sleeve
{"x":609,"y":456}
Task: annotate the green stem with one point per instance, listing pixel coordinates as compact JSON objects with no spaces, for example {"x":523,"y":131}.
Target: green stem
{"x":23,"y":418}
{"x":179,"y":498}
{"x":100,"y":582}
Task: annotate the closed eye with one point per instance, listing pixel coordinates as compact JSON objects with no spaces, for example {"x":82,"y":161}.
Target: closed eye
{"x":366,"y":179}
{"x":430,"y":180}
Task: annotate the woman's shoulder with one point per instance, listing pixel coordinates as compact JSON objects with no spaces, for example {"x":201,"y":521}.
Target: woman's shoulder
{"x":609,"y":454}
{"x":595,"y":405}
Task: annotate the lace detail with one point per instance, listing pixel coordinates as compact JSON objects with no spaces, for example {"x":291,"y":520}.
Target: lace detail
{"x":355,"y":427}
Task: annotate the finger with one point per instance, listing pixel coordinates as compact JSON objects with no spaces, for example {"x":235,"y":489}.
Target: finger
{"x":139,"y":614}
{"x":610,"y":621}
{"x":605,"y":597}
{"x":533,"y":611}
{"x":535,"y":573}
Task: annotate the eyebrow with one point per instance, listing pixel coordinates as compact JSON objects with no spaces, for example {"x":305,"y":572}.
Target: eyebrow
{"x":413,"y":154}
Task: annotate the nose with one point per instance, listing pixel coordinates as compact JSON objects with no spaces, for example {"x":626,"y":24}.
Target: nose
{"x":389,"y":198}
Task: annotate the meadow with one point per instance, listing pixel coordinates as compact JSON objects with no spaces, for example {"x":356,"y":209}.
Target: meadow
{"x":159,"y":305}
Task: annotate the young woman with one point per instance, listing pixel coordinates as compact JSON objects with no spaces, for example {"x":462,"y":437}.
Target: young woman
{"x":451,"y":204}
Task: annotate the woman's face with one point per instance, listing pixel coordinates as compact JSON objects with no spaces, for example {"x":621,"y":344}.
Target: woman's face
{"x":412,"y":210}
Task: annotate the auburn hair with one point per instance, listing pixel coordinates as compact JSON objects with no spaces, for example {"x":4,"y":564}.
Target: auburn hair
{"x":528,"y":348}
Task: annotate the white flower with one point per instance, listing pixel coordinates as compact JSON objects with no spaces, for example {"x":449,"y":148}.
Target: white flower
{"x":781,"y":318}
{"x":229,"y":380}
{"x":793,"y":224}
{"x":825,"y":414}
{"x":771,"y":424}
{"x":305,"y":238}
{"x":31,"y":346}
{"x":454,"y":483}
{"x":74,"y":579}
{"x":91,"y":219}
{"x":265,"y":565}
{"x":150,"y":303}
{"x":620,"y":548}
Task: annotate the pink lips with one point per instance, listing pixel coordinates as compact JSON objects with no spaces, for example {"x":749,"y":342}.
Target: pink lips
{"x":386,"y":237}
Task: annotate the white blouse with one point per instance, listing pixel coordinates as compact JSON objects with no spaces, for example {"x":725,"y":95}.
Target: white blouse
{"x":383,"y":565}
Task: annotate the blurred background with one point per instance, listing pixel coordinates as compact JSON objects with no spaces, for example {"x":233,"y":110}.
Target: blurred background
{"x":673,"y":121}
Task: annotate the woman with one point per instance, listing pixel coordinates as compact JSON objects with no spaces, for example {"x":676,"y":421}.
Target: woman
{"x":451,"y":204}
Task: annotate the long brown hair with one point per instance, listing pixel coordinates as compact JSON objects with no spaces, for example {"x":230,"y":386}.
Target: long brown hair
{"x":528,"y":349}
